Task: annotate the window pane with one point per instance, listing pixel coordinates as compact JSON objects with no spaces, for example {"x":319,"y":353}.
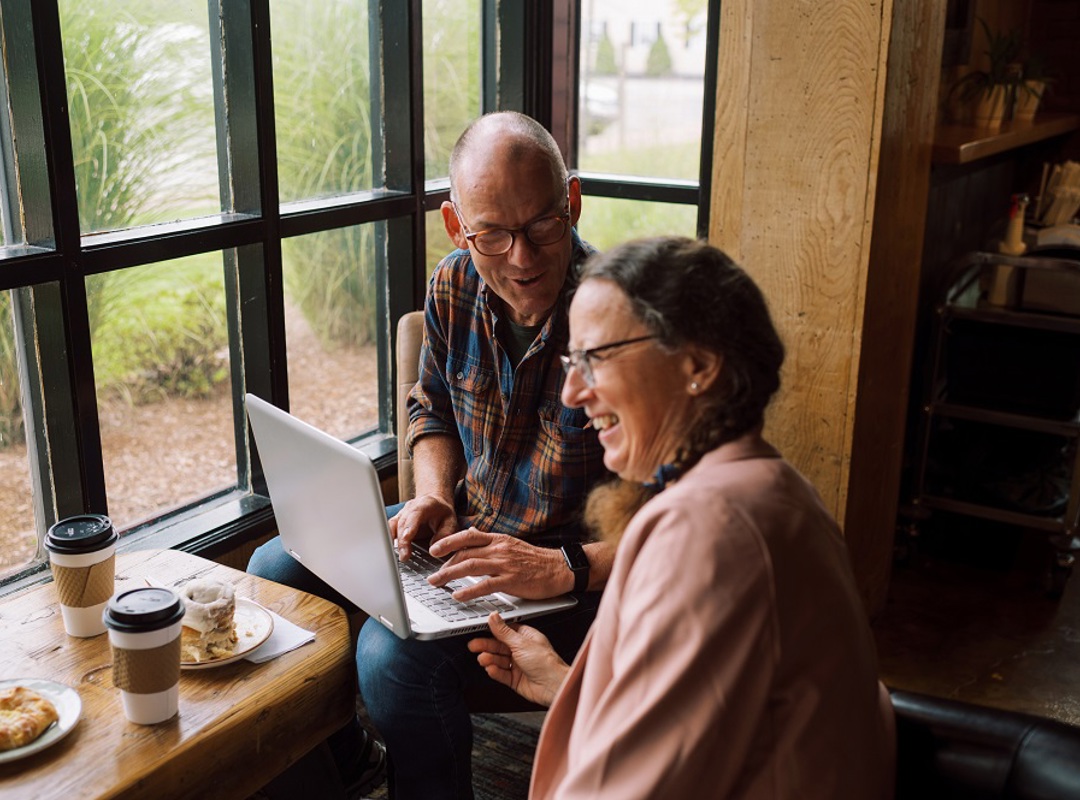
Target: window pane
{"x":331,"y":319}
{"x":452,"y":68}
{"x":322,"y":97}
{"x":606,"y":222}
{"x":18,"y":538}
{"x":438,"y":243}
{"x":142,"y":111}
{"x":161,"y":361}
{"x":642,"y":87}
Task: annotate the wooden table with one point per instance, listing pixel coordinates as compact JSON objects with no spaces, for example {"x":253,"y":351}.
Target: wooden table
{"x":239,"y":724}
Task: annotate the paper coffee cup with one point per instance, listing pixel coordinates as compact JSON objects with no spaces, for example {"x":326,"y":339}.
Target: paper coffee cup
{"x":144,"y":634}
{"x":82,"y":555}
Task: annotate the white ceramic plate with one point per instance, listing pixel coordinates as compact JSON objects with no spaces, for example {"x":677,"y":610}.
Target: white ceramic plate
{"x":68,"y":707}
{"x":253,"y":627}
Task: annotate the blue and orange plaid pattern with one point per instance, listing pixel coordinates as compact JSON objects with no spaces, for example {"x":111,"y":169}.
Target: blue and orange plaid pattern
{"x":530,"y":460}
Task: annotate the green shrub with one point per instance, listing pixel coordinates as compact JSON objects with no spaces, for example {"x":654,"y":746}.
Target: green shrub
{"x":322,"y":94}
{"x":170,"y":337}
{"x":605,"y":57}
{"x":658,"y":63}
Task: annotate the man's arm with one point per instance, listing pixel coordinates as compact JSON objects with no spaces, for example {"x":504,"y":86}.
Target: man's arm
{"x":438,"y":465}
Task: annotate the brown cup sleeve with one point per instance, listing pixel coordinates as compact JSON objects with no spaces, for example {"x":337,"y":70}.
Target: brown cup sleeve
{"x":82,"y":587}
{"x":147,"y":671}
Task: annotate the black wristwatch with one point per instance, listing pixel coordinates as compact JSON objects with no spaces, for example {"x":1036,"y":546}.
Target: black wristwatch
{"x":579,"y":565}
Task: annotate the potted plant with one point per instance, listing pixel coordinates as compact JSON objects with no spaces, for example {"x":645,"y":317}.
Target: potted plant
{"x":1034,"y":81}
{"x":993,"y":91}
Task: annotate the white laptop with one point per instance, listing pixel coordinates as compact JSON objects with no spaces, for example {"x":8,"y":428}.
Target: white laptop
{"x":330,"y":516}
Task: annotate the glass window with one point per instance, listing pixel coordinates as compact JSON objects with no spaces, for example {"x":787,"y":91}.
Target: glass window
{"x":161,"y":363}
{"x":641,"y":87}
{"x":331,"y":327}
{"x":452,"y":69}
{"x":18,"y":538}
{"x":322,"y":97}
{"x":438,"y":243}
{"x":606,"y":222}
{"x":159,"y":329}
{"x":142,"y":113}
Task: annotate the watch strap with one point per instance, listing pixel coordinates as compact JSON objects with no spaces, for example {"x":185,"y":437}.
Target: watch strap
{"x":578,"y":562}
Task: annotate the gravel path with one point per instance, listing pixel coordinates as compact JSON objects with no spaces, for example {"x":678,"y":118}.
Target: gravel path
{"x":166,"y":454}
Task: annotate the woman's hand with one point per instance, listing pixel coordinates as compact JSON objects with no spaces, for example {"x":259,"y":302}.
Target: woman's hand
{"x":510,"y":565}
{"x":521,"y":658}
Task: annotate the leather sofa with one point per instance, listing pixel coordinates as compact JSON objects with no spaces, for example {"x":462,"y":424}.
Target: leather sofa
{"x":952,"y":749}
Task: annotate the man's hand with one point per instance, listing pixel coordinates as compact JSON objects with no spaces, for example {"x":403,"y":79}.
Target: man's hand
{"x":521,"y":658}
{"x":510,"y":564}
{"x":424,"y":518}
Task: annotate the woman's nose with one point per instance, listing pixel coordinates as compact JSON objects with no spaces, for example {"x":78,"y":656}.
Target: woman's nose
{"x":574,"y":390}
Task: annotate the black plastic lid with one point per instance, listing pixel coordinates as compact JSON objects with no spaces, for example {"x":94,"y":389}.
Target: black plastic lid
{"x":145,"y":609}
{"x":84,"y":533}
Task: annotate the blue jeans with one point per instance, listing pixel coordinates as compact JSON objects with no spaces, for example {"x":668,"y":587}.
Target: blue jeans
{"x":414,"y":690}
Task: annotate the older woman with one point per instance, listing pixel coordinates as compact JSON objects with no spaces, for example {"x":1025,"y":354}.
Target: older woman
{"x":731,"y":656}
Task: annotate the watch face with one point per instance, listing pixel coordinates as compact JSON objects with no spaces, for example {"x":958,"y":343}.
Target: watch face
{"x":575,"y":557}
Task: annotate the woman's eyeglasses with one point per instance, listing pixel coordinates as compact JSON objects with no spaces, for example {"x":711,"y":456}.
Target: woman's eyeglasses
{"x":582,"y":360}
{"x":496,"y":241}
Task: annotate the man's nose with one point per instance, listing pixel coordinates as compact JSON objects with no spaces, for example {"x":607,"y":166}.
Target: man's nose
{"x":522,"y":253}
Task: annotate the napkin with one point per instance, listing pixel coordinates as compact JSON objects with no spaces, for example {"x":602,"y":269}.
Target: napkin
{"x":286,"y":637}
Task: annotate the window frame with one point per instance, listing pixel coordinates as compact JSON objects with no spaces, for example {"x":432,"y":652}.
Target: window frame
{"x":523,"y":68}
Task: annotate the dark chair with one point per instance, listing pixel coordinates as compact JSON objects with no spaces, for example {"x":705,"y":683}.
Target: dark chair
{"x":951,"y":749}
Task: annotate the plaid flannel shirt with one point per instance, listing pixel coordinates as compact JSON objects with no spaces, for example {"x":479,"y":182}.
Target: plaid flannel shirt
{"x":530,"y":460}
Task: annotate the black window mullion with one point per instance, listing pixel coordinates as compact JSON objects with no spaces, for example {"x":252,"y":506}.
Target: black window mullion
{"x":398,"y":152}
{"x":68,"y":414}
{"x":648,"y":190}
{"x":708,"y":116}
{"x":510,"y":80}
{"x":242,"y":71}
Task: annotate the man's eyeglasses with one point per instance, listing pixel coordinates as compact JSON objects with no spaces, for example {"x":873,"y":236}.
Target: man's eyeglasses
{"x":496,"y":241}
{"x":582,"y":360}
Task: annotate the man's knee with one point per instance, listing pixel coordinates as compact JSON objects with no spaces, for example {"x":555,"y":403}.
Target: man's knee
{"x":270,"y":561}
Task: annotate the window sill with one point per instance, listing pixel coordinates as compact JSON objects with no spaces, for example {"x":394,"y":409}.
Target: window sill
{"x":214,"y":526}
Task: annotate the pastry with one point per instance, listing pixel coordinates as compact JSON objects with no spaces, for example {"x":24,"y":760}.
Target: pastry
{"x":209,"y":630}
{"x":24,"y":716}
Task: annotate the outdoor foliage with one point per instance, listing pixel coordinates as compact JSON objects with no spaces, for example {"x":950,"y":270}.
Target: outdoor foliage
{"x":605,"y":57}
{"x":166,"y":335}
{"x":141,"y":125}
{"x":452,"y":57}
{"x":11,"y":419}
{"x":659,"y":61}
{"x":323,"y":108}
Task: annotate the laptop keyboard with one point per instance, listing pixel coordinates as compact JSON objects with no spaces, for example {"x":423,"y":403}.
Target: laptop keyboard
{"x":438,"y":599}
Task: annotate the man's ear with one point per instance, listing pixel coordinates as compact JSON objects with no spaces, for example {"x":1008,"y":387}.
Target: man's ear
{"x":453,"y":226}
{"x":573,"y":188}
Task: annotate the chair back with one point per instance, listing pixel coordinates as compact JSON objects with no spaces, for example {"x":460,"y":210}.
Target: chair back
{"x":410,"y":335}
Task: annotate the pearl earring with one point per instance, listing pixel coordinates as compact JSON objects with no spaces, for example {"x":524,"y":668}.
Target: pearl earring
{"x":694,"y":386}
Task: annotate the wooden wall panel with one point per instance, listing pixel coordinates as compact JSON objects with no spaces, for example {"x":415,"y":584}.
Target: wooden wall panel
{"x":798,"y":215}
{"x":892,"y":297}
{"x":797,"y":209}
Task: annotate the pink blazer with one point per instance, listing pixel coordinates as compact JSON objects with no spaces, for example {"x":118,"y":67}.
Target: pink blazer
{"x":731,"y":656}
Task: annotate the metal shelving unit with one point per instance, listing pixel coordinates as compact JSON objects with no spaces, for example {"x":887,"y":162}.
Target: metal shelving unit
{"x":1001,"y":422}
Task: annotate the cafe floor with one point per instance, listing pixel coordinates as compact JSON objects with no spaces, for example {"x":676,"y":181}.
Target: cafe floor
{"x":968,"y":616}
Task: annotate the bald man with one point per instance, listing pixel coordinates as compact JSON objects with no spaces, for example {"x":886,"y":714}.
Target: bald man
{"x":502,"y":468}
